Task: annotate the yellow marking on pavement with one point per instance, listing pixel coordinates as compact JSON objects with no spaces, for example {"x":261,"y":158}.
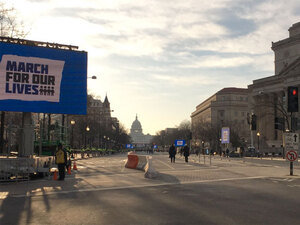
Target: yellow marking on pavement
{"x":3,"y":195}
{"x":45,"y":189}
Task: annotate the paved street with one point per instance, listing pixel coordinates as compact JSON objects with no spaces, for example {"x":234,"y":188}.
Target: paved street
{"x":103,"y":191}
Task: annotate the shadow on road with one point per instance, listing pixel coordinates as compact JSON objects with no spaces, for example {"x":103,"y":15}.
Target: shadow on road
{"x":163,"y":177}
{"x":18,"y":198}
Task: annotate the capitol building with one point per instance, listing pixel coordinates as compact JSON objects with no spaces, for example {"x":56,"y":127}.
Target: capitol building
{"x":136,"y":133}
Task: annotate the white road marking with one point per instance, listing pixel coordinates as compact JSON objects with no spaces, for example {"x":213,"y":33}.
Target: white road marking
{"x":295,"y":185}
{"x":166,"y":164}
{"x":136,"y":186}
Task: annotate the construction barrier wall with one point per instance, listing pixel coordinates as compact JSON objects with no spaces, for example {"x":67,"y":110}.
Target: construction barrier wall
{"x":141,"y":162}
{"x":132,"y":160}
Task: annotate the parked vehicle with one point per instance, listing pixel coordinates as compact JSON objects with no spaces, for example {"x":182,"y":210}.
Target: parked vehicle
{"x":251,"y":152}
{"x":234,"y":154}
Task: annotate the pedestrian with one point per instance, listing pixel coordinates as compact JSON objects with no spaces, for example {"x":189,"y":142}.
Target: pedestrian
{"x":227,"y":152}
{"x":172,"y":153}
{"x":61,"y":161}
{"x":186,"y":153}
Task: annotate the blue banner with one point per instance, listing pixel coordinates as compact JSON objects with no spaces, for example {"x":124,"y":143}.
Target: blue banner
{"x":225,"y":135}
{"x":42,"y":80}
{"x":179,"y":143}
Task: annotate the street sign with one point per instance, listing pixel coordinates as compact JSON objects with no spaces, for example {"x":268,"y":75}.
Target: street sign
{"x":129,"y":146}
{"x":291,"y":141}
{"x":179,"y":143}
{"x":291,"y":156}
{"x":291,"y":145}
{"x":225,"y":135}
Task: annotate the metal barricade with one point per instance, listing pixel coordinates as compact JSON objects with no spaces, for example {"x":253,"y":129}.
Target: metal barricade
{"x":16,"y":169}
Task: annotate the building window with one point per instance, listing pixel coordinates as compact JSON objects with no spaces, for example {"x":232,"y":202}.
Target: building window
{"x":235,"y":113}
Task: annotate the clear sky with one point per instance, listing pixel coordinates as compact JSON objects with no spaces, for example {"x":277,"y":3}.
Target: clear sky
{"x":160,"y":58}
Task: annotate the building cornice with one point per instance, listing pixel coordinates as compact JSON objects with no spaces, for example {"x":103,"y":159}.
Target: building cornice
{"x":286,"y":42}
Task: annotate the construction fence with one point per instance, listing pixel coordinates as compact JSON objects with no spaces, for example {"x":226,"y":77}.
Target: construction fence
{"x":20,"y":169}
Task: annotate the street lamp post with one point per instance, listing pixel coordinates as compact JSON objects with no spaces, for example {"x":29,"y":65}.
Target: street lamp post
{"x":258,"y":134}
{"x":87,"y":130}
{"x":72,"y":135}
{"x":104,"y":138}
{"x":220,"y":145}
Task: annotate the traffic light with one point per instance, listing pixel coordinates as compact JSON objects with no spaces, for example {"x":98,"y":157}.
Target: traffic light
{"x":292,"y":99}
{"x":253,"y":122}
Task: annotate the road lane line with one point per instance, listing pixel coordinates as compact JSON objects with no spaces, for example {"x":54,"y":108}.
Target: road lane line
{"x":134,"y":186}
{"x":166,"y":164}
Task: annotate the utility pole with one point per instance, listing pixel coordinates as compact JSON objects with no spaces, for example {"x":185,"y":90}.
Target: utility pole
{"x":62,"y":127}
{"x":2,"y":132}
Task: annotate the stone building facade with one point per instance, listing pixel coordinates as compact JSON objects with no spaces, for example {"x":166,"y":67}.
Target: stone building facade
{"x":97,"y":127}
{"x":268,"y":96}
{"x":227,"y":108}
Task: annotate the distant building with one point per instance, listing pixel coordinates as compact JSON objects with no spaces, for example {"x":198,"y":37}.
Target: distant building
{"x":99,"y":121}
{"x":100,"y":111}
{"x":227,"y":108}
{"x":136,"y":132}
{"x":171,"y":130}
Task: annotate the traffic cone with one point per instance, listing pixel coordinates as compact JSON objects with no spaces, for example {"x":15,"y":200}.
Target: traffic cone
{"x":69,"y":170}
{"x":55,"y":175}
{"x":74,"y":166}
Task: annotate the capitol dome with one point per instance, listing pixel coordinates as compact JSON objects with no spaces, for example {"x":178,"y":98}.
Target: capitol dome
{"x":136,"y":133}
{"x":136,"y":125}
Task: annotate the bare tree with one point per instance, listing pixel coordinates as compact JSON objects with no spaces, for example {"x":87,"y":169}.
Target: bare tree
{"x":164,"y":138}
{"x":10,"y":26}
{"x":206,"y":134}
{"x":273,"y":106}
{"x":122,"y":136}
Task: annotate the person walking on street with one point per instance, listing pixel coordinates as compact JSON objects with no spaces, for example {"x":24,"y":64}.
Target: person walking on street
{"x":172,"y":153}
{"x":186,"y":153}
{"x":61,"y":161}
{"x":227,"y":153}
